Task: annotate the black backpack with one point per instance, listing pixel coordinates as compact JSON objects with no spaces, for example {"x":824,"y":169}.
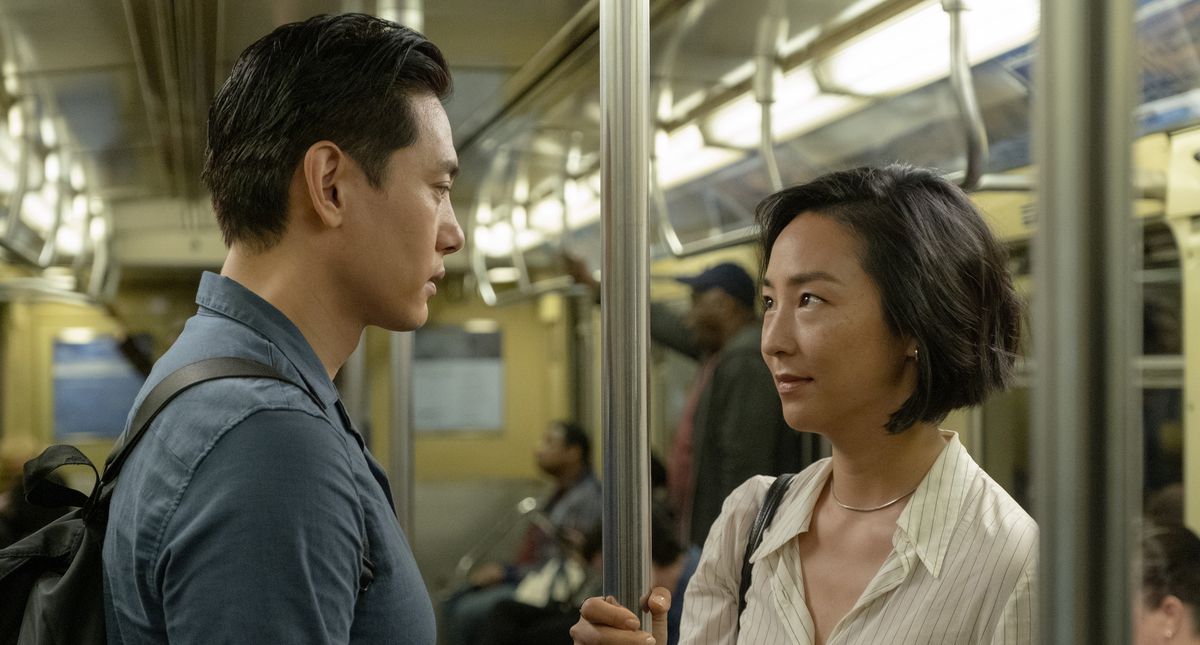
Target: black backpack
{"x":51,"y":582}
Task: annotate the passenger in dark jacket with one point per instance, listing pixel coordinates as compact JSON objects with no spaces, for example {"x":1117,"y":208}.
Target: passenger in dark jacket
{"x":736,"y":422}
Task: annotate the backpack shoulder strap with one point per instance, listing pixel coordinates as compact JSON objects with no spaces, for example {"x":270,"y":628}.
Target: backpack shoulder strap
{"x":175,"y":384}
{"x":766,"y":513}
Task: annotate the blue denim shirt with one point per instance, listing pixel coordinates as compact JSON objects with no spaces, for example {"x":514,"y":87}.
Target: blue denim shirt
{"x":246,"y":513}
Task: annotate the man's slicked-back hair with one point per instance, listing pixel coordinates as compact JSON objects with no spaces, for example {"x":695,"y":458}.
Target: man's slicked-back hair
{"x":940,"y":272}
{"x":345,"y":78}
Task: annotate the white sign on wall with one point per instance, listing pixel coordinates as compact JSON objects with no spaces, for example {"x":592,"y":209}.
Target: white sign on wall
{"x":458,"y":380}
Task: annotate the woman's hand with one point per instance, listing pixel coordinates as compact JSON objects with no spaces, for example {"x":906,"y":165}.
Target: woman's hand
{"x":603,"y":621}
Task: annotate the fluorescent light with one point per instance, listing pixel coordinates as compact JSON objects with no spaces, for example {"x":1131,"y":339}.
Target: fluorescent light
{"x":53,"y":167}
{"x":79,"y":208}
{"x":683,"y":156}
{"x":521,"y":189}
{"x":547,"y":216}
{"x":583,"y":203}
{"x":49,"y":133}
{"x":50,"y":194}
{"x":799,"y":106}
{"x":12,"y":84}
{"x":528,"y":238}
{"x":578,"y":218}
{"x":914,"y":49}
{"x":800,"y":41}
{"x":520,"y":217}
{"x":77,"y":335}
{"x":16,"y":122}
{"x":69,"y":240}
{"x":738,"y":74}
{"x":10,"y":148}
{"x":498,"y":275}
{"x":36,"y":212}
{"x":98,"y":229}
{"x":482,"y":325}
{"x":483,"y":213}
{"x":495,"y":240}
{"x":78,"y":178}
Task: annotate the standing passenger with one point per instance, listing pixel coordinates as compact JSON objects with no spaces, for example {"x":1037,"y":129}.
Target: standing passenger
{"x":251,"y":513}
{"x":888,"y":305}
{"x":731,"y":426}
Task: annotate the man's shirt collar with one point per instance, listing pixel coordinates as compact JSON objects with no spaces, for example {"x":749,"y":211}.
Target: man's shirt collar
{"x":224,"y":296}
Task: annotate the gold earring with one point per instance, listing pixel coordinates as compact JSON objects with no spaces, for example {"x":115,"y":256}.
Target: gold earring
{"x":916,"y":354}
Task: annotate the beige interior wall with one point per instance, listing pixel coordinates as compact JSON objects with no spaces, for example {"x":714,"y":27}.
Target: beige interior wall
{"x":28,"y":397}
{"x":30,"y":329}
{"x":536,"y":391}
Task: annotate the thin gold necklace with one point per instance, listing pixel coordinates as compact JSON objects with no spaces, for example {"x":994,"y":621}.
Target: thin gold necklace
{"x":857,"y":509}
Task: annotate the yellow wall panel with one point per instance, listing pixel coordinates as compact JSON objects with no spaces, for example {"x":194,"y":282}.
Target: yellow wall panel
{"x":535,"y":393}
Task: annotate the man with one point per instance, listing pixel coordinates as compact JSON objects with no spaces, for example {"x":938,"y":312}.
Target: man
{"x":571,"y":511}
{"x":732,"y":426}
{"x":252,"y":512}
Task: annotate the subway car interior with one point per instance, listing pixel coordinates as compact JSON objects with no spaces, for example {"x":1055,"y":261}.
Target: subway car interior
{"x":106,"y":228}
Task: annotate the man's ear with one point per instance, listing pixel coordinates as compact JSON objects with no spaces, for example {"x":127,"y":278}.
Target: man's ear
{"x":325,"y":167}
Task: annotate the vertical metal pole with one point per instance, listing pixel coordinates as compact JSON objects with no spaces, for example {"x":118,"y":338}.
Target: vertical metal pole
{"x":353,"y":389}
{"x":625,"y":295}
{"x":400,"y":430}
{"x":1085,"y":411}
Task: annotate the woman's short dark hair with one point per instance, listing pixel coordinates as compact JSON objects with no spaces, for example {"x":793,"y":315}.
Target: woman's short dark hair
{"x":347,"y":79}
{"x":940,"y":272}
{"x":1171,"y":566}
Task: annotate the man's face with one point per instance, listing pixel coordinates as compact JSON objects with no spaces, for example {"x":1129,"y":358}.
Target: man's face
{"x":552,"y":453}
{"x":400,"y":233}
{"x":709,"y":308}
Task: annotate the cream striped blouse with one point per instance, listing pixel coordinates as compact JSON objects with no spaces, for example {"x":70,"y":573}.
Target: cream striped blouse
{"x":962,"y":569}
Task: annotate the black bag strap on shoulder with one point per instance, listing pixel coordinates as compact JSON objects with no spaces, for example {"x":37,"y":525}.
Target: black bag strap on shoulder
{"x":766,"y":513}
{"x":51,"y":581}
{"x":172,"y":386}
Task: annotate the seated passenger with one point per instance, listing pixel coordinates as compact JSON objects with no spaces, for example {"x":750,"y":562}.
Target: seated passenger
{"x":572,"y":508}
{"x":888,"y":305}
{"x":1169,"y":609}
{"x":517,"y":623}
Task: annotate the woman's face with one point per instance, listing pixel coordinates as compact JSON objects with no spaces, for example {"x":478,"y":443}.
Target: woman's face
{"x":836,"y":363}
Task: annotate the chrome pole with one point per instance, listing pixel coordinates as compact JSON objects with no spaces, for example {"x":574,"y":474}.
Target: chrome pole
{"x":1086,"y":440}
{"x":625,"y":294}
{"x":353,"y":386}
{"x":400,"y":429}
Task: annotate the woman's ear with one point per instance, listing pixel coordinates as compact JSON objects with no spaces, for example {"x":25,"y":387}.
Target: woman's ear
{"x":1175,"y":614}
{"x":324,"y":171}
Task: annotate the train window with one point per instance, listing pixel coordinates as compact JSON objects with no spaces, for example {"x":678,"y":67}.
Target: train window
{"x":1005,"y":417}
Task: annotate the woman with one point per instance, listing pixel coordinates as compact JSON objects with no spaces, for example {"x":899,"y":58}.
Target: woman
{"x":1169,"y":610}
{"x":887,"y":305}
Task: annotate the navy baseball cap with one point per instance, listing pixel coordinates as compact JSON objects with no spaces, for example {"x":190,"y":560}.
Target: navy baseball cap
{"x":726,"y":276}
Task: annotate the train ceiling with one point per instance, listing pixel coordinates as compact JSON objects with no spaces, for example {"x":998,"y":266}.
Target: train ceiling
{"x":117,"y":91}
